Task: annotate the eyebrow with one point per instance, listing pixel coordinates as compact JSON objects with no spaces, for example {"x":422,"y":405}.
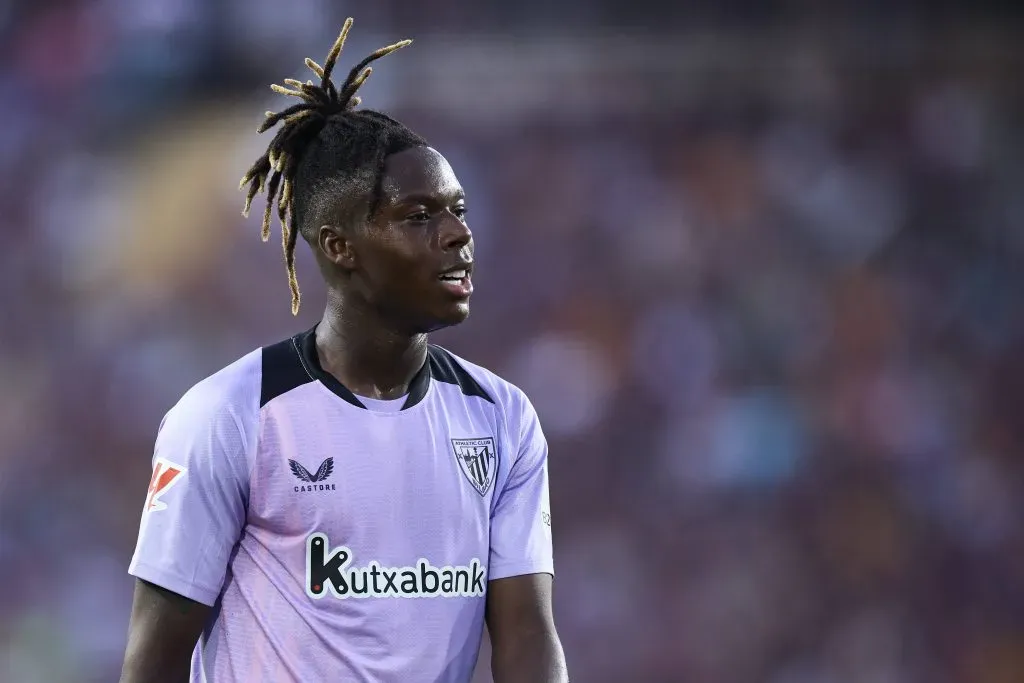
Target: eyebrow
{"x":430,"y":199}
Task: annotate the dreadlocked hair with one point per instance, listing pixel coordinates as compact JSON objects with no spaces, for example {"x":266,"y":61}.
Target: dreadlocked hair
{"x":324,"y":149}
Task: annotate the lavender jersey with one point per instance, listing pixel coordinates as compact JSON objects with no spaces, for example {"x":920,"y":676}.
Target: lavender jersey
{"x":341,"y":539}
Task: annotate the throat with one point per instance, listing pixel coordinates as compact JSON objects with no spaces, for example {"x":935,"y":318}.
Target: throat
{"x":372,"y":363}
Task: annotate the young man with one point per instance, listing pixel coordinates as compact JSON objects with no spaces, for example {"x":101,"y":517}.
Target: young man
{"x":351,"y":504}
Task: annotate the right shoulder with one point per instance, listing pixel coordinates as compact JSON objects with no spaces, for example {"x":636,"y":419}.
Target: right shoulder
{"x":228,"y":399}
{"x":239,"y":391}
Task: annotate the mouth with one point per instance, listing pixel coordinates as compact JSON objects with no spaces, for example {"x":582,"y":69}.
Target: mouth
{"x":457,"y":280}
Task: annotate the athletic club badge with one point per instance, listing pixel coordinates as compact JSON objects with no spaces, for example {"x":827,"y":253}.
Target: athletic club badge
{"x":476,"y":458}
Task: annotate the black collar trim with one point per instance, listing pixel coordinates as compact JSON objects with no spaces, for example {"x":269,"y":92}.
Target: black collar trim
{"x":305,"y":346}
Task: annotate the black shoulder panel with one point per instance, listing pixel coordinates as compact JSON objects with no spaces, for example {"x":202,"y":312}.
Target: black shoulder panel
{"x":445,"y":368}
{"x":282,"y":371}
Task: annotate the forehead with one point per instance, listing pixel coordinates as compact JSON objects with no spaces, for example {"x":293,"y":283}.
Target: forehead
{"x":419,"y":171}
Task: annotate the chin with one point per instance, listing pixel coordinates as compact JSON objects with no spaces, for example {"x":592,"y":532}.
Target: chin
{"x":449,"y":318}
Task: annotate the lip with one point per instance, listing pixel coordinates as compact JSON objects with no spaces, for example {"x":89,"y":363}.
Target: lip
{"x":460,"y":289}
{"x":458,"y":265}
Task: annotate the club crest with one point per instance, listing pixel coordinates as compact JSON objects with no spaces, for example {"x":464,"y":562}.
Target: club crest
{"x":476,"y":458}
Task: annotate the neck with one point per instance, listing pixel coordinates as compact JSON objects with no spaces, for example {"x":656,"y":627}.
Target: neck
{"x":367,"y":356}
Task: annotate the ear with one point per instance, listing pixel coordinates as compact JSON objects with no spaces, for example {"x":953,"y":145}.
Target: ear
{"x":336,"y":246}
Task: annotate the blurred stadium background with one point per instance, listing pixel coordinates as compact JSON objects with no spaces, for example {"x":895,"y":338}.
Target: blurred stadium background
{"x":759,"y":264}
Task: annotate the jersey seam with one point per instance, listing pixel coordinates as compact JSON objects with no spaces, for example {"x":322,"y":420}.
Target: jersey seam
{"x":519,"y":448}
{"x":254,"y":446}
{"x":298,"y":352}
{"x":503,"y":423}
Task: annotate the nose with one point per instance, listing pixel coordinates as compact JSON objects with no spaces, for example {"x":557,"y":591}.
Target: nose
{"x":454,"y":233}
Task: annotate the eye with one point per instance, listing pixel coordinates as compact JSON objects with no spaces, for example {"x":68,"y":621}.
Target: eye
{"x":418,"y":217}
{"x":460,"y":212}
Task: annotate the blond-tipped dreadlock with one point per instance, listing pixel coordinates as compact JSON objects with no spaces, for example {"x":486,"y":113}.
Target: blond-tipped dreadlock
{"x":322,"y":140}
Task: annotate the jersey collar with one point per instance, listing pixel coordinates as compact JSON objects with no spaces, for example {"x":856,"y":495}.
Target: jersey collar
{"x":305,"y":346}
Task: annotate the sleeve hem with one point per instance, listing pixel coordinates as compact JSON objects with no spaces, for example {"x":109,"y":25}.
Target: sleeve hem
{"x":506,"y":571}
{"x":174,"y":583}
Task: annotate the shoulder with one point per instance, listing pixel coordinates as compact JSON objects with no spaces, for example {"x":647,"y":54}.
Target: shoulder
{"x":229,"y":399}
{"x":478,"y":380}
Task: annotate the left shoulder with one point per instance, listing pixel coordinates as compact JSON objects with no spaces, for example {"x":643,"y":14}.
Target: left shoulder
{"x":476,"y":380}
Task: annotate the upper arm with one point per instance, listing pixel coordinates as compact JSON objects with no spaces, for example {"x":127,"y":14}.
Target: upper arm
{"x":520,"y":622}
{"x":162,"y":634}
{"x":521,"y":518}
{"x":196,"y":503}
{"x":193,"y":515}
{"x":524,"y":643}
{"x":519,"y":606}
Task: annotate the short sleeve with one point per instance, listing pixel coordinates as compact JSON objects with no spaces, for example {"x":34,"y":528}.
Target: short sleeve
{"x":521,"y":520}
{"x":196,"y":502}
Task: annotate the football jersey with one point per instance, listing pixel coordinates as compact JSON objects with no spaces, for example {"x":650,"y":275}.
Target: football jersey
{"x":339,"y":539}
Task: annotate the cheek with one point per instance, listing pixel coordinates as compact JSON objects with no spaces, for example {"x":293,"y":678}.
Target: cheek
{"x":385,"y":254}
{"x":396,"y":269}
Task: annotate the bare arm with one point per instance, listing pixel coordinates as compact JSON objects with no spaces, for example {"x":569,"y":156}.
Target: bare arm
{"x":162,"y":634}
{"x":524,"y":644}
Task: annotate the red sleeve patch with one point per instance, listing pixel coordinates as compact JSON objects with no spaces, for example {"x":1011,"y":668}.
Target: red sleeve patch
{"x":165,"y":475}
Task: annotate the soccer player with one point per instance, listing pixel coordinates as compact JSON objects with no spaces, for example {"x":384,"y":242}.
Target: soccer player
{"x":352,"y":504}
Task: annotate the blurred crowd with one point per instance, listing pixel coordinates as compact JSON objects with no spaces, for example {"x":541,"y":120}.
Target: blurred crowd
{"x":764,"y":289}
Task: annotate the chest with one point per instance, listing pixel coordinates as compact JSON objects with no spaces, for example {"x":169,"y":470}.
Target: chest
{"x":399,"y":485}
